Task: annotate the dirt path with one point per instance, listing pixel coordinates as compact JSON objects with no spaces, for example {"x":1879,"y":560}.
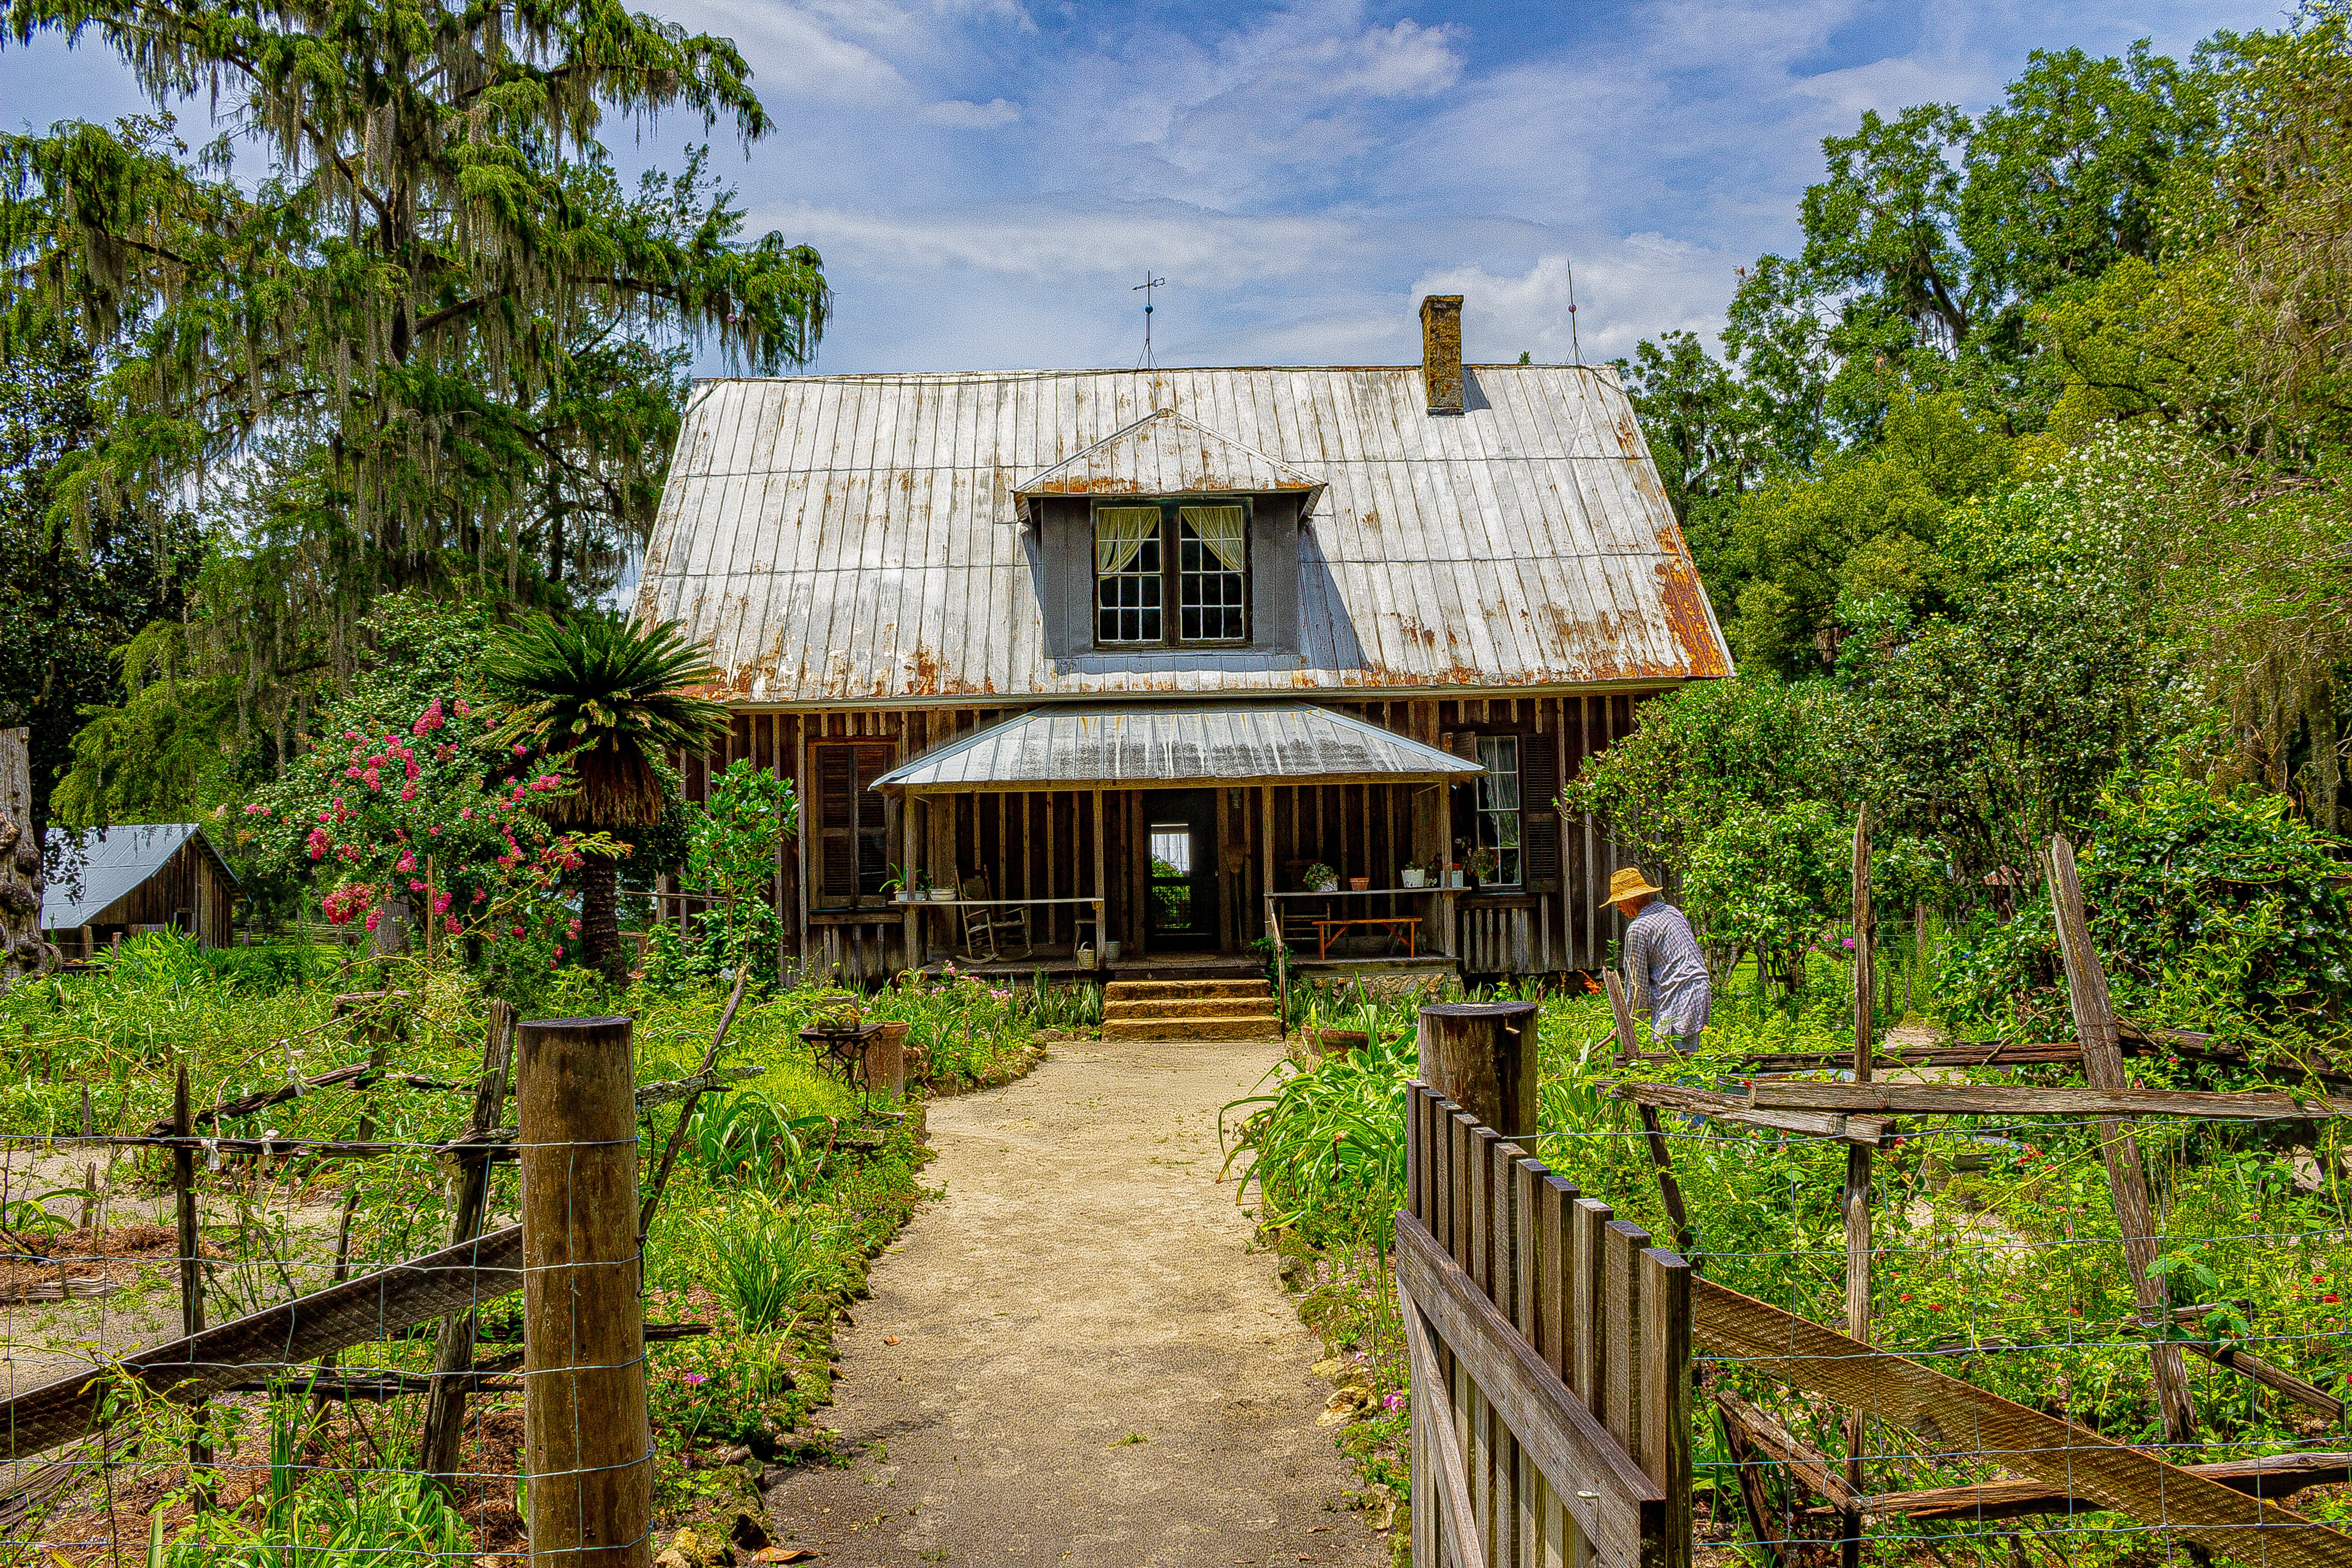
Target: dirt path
{"x":1083,"y":1285}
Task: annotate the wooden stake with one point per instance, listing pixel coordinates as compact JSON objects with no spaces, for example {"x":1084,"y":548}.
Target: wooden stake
{"x":686,"y":1112}
{"x":191,"y":1277}
{"x":444,"y":1407}
{"x":1670,"y":1191}
{"x":588,"y":1450}
{"x":1856,"y":1197}
{"x":2102,"y":1064}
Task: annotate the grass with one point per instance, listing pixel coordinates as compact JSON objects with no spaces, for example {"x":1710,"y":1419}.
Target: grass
{"x":784,"y":1193}
{"x":1997,"y":1259}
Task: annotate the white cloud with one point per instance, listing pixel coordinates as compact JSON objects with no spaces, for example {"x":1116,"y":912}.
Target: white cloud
{"x":1042,"y":240}
{"x":1624,"y":291}
{"x":962,"y":114}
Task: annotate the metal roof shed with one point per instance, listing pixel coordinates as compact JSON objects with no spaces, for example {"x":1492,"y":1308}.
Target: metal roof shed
{"x":160,"y":873}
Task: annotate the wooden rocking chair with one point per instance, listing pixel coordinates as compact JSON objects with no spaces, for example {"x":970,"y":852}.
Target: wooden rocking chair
{"x":984,"y":923}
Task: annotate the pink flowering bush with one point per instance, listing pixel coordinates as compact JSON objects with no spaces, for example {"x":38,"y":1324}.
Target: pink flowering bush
{"x":436,"y":808}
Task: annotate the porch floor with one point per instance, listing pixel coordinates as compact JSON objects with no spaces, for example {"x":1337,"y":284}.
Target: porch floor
{"x":1059,"y":964}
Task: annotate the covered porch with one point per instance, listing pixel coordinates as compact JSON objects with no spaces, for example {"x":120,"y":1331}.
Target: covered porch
{"x":1161,"y":841}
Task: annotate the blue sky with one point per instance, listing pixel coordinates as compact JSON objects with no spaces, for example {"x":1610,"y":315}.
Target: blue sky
{"x":987,"y":178}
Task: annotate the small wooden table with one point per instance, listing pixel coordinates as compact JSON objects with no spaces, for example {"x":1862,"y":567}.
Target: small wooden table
{"x":1328,"y":928}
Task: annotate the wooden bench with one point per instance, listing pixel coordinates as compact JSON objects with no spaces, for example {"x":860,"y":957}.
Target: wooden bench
{"x":1329,"y":928}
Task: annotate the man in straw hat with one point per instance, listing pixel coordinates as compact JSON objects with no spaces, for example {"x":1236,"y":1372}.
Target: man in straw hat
{"x":1665,"y":971}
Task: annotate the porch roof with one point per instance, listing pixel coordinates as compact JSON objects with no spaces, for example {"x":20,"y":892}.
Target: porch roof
{"x":1172,"y":747}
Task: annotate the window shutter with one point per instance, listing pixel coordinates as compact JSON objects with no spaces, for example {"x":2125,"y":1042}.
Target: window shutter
{"x":1540,"y":813}
{"x":872,"y":819}
{"x":836,"y":801}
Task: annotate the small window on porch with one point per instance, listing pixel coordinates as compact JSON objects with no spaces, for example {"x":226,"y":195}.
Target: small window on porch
{"x":1498,"y":805}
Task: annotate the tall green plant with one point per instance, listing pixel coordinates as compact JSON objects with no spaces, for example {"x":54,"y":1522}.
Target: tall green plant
{"x":610,"y":698}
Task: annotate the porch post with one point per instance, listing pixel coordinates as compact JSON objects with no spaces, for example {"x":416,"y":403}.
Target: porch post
{"x":912,"y":922}
{"x":1266,"y":826}
{"x":1101,"y":909}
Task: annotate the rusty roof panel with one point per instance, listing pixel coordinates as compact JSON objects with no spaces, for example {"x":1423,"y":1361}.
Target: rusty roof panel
{"x":843,"y":539}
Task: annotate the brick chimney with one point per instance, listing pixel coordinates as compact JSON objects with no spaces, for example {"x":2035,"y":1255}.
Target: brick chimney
{"x":1440,"y":352}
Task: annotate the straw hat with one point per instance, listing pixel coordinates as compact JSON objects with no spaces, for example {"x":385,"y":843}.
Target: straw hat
{"x":1628,"y":882}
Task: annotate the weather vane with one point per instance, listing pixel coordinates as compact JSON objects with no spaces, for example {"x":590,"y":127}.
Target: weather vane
{"x":1145,"y":289}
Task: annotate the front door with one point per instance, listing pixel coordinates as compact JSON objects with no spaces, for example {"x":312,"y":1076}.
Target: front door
{"x":1180,"y":836}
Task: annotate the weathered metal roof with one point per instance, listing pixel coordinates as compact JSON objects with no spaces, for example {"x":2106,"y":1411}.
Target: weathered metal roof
{"x":96,"y":868}
{"x":1230,"y":744}
{"x":837,"y":539}
{"x":1165,"y":454}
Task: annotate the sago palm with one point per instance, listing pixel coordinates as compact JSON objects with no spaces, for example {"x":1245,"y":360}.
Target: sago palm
{"x":609,"y":696}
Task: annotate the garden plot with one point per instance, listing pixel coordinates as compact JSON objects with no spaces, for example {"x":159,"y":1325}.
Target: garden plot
{"x":785,"y":1183}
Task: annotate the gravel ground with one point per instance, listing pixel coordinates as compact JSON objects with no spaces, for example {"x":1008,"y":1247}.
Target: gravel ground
{"x":1072,"y":1357}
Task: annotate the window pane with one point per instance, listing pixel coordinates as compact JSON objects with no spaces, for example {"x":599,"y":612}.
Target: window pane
{"x":1498,"y":805}
{"x":1498,"y":786}
{"x":1126,"y":574}
{"x":1211,"y":561}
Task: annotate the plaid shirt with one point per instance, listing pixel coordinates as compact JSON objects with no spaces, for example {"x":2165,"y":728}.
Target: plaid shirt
{"x":1666,"y":971}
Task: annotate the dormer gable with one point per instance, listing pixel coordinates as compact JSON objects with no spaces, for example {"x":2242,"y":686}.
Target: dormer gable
{"x":1167,"y":453}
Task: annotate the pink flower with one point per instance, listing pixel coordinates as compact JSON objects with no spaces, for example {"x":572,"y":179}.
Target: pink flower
{"x":374,"y":781}
{"x":450,"y":924}
{"x":371,"y":918}
{"x":317,"y":843}
{"x":462,"y":710}
{"x":431,"y":719}
{"x":415,"y":886}
{"x":519,"y":749}
{"x":407,"y":861}
{"x":351,"y":772}
{"x":466,"y":814}
{"x":435,"y":830}
{"x":408,"y":792}
{"x":694,"y":1380}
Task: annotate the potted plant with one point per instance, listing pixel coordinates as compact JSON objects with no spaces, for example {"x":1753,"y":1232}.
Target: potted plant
{"x":895,"y":884}
{"x":1453,"y":874}
{"x":1360,"y":884}
{"x":1321,"y":878}
{"x":1410,"y":876}
{"x":1481,"y":863}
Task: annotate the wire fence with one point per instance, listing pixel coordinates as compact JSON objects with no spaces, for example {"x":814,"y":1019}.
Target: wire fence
{"x":359,"y":1316}
{"x":1996,"y":1263}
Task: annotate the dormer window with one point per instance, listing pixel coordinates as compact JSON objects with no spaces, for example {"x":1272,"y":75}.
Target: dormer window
{"x":1172,"y":574}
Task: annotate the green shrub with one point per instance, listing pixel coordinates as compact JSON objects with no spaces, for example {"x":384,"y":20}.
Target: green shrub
{"x":764,"y":1260}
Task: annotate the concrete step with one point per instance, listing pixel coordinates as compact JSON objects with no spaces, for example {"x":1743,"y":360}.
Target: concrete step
{"x":1143,"y":990}
{"x":1191,"y":1007}
{"x":1208,"y":1028}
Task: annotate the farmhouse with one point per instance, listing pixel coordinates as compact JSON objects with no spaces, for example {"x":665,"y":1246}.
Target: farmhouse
{"x":1132,"y":657}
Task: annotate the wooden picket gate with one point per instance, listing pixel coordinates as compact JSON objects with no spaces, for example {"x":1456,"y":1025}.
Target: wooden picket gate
{"x":1550,"y":1349}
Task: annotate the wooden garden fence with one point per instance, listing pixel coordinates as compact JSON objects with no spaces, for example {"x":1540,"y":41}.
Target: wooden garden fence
{"x":1551,"y":1361}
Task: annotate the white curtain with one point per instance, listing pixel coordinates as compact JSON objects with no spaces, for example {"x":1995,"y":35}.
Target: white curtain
{"x":1120,"y":535}
{"x":1221,"y":529}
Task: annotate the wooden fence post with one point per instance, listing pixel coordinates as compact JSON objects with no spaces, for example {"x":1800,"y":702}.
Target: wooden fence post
{"x":191,"y":1239}
{"x":588,"y":1449}
{"x":444,"y":1408}
{"x":1482,"y":1056}
{"x":1856,"y":1196}
{"x":2102,"y":1064}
